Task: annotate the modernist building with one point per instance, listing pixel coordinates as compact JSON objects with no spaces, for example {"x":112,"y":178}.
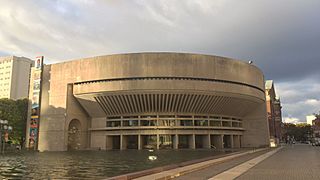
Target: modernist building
{"x":274,"y":112}
{"x":152,"y":100}
{"x":14,"y":77}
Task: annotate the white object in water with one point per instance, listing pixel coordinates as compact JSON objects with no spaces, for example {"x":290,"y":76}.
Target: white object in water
{"x":152,"y":158}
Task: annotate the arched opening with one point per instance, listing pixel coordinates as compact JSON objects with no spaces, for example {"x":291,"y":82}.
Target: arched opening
{"x":74,"y":131}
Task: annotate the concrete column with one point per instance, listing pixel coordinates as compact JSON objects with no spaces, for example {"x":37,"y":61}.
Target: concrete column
{"x":176,"y":141}
{"x":109,"y":142}
{"x":236,"y":141}
{"x":139,"y":142}
{"x":231,"y":141}
{"x":206,"y":141}
{"x":158,"y":143}
{"x":192,"y":142}
{"x":123,"y":142}
{"x":222,"y":141}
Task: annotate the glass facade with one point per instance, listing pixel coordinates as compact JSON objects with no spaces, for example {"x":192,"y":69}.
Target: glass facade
{"x":173,"y":121}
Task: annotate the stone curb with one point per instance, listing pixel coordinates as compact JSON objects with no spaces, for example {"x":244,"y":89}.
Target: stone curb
{"x":237,"y":171}
{"x":171,"y":171}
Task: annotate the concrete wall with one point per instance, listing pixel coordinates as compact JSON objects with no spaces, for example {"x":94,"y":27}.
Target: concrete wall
{"x":256,"y":125}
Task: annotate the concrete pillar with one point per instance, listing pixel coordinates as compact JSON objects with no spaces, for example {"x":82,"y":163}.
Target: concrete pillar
{"x":236,"y":141}
{"x":222,"y":136}
{"x":206,"y":141}
{"x":139,"y":142}
{"x":176,"y":142}
{"x":231,"y":141}
{"x":123,"y":142}
{"x":158,"y":143}
{"x":109,"y":142}
{"x":192,"y":142}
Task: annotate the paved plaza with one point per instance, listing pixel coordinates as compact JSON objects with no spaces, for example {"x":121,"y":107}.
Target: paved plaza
{"x":298,"y":161}
{"x":292,"y":162}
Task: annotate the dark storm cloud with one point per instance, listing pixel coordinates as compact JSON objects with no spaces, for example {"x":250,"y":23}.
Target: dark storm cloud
{"x":281,"y":37}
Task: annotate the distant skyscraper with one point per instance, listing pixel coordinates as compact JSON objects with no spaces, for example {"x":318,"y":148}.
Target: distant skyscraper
{"x":14,"y":77}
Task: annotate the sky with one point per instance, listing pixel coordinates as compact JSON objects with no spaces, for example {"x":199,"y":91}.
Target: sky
{"x":281,"y":37}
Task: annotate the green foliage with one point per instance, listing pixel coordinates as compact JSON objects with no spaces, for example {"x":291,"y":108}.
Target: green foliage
{"x":317,"y":115}
{"x":299,"y":131}
{"x":16,"y":114}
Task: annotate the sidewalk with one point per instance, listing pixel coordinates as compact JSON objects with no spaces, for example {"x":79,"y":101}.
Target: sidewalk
{"x":215,"y":169}
{"x":299,"y":161}
{"x":184,"y":171}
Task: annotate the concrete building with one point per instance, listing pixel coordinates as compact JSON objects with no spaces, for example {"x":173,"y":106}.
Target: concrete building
{"x":152,"y":100}
{"x":274,"y":112}
{"x":14,"y":77}
{"x":310,"y":118}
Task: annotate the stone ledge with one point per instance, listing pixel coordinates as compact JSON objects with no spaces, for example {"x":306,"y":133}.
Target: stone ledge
{"x":171,"y":171}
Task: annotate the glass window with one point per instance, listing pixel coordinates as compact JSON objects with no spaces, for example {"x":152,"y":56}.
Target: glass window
{"x":114,"y":117}
{"x":148,"y":116}
{"x":186,"y":123}
{"x":148,"y":122}
{"x":167,"y":122}
{"x":235,"y":124}
{"x":215,"y":123}
{"x":226,"y":124}
{"x":166,"y":116}
{"x":201,"y":122}
{"x":113,"y":123}
{"x":130,"y":117}
{"x":130,"y":123}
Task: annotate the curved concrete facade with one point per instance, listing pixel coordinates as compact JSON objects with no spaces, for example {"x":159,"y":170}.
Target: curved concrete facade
{"x":153,"y":100}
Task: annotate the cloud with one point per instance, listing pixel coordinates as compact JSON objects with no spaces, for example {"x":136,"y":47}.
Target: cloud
{"x":291,"y":120}
{"x":282,"y":38}
{"x":313,"y":102}
{"x":299,"y":98}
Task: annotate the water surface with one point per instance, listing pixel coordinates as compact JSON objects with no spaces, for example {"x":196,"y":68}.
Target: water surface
{"x":89,"y":164}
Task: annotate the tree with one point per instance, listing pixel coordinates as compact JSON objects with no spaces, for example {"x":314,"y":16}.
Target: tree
{"x":317,"y":115}
{"x":299,"y":131}
{"x":15,"y":111}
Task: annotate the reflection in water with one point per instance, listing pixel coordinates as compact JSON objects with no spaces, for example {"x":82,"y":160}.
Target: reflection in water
{"x":89,"y":164}
{"x":74,"y":135}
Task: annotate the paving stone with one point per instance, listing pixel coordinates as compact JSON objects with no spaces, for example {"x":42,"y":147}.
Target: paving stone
{"x":213,"y":170}
{"x":292,"y":162}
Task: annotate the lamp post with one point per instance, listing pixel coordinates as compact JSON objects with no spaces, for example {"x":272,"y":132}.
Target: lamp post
{"x":4,"y":127}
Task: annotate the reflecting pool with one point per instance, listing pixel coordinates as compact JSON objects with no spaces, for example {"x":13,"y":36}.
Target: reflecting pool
{"x":90,"y":164}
